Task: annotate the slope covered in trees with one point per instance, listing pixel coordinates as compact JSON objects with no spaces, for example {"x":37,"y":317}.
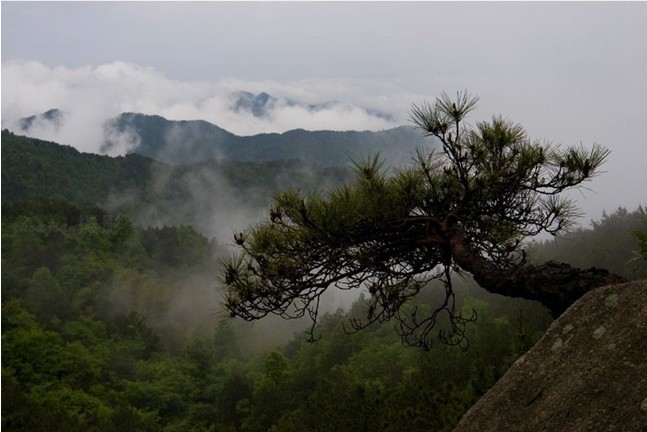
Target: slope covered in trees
{"x":93,"y":339}
{"x":150,"y":192}
{"x":32,"y":168}
{"x":109,"y":323}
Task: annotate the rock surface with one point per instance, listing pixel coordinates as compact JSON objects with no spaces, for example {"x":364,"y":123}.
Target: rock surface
{"x":587,"y":373}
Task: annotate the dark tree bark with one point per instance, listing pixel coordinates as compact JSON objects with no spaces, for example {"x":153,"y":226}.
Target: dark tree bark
{"x":555,"y":285}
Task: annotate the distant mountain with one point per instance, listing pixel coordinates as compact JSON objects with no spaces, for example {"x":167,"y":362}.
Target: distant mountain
{"x":262,"y":104}
{"x":187,"y":142}
{"x":54,"y":117}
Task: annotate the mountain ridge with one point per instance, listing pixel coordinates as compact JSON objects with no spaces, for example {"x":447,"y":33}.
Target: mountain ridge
{"x":260,"y":105}
{"x":191,"y":141}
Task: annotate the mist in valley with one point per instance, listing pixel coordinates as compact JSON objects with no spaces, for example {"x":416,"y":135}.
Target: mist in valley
{"x":113,"y":259}
{"x":208,"y":198}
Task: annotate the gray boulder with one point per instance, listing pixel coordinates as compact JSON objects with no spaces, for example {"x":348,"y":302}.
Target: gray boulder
{"x":587,"y":373}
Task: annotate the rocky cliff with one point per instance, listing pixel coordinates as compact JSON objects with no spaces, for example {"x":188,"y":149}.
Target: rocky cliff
{"x":588,"y":372}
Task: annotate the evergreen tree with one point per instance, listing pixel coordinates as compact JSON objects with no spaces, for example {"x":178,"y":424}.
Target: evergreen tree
{"x":470,"y":207}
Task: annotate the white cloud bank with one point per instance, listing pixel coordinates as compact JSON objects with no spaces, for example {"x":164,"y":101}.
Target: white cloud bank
{"x":560,"y":106}
{"x":91,"y":95}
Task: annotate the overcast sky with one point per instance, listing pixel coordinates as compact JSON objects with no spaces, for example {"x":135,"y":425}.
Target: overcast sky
{"x":569,"y":72}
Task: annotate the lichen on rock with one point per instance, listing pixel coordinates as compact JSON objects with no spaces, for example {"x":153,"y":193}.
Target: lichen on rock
{"x":611,"y":301}
{"x":567,"y":329}
{"x":599,"y":332}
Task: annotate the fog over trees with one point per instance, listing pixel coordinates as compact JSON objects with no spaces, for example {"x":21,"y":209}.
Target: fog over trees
{"x":266,"y":216}
{"x":113,"y":307}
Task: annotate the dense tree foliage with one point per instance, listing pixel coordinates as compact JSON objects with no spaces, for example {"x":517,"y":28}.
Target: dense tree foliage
{"x":469,"y":207}
{"x":84,"y":345}
{"x":34,"y":168}
{"x":101,"y":329}
{"x":641,"y":235}
{"x":64,"y":262}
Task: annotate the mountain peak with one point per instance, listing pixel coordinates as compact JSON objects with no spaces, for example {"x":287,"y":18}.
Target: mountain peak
{"x":53,"y":117}
{"x":258,"y":104}
{"x":262,"y":104}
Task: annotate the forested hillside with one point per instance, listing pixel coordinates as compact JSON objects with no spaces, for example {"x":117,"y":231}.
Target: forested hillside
{"x":32,"y":167}
{"x":150,"y":192}
{"x":111,"y":315}
{"x":105,"y":328}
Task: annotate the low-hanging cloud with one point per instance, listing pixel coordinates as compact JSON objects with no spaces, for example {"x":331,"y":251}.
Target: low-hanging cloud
{"x":567,"y":109}
{"x":89,"y":96}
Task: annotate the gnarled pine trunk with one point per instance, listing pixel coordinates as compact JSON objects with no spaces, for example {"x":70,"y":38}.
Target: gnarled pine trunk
{"x":555,"y":285}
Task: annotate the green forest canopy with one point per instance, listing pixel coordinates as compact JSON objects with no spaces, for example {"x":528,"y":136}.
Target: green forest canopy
{"x":98,"y":332}
{"x":73,"y":359}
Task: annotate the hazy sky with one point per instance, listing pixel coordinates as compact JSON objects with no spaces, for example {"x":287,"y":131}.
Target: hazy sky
{"x":569,"y":72}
